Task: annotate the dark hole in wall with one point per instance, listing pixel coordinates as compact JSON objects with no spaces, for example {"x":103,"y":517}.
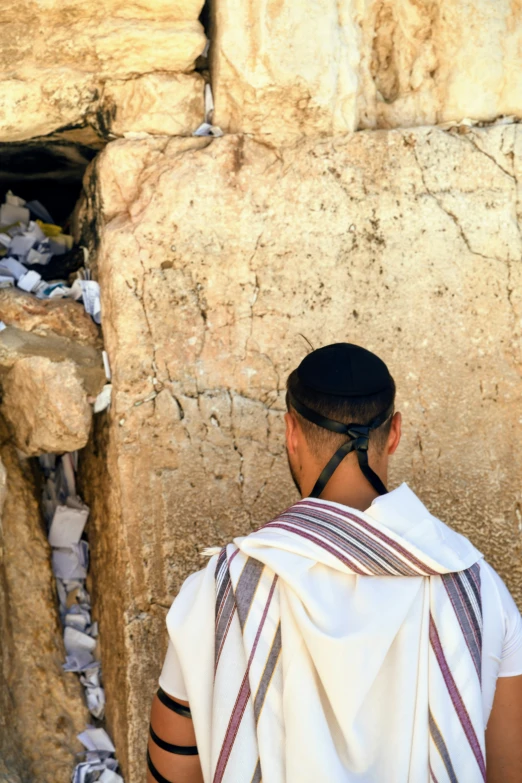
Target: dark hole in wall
{"x":206,"y":22}
{"x":49,"y":169}
{"x":204,"y":17}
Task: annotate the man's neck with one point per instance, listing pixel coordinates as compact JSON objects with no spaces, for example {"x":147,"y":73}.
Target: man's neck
{"x":350,"y":489}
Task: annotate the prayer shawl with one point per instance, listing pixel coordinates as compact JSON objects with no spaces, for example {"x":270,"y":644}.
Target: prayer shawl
{"x":387,"y":690}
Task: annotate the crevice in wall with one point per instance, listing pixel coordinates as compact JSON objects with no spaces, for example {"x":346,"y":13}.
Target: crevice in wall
{"x":202,"y":62}
{"x":50,"y":168}
{"x":40,"y":185}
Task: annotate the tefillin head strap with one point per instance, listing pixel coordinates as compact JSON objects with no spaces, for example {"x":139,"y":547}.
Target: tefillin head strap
{"x":359,"y":441}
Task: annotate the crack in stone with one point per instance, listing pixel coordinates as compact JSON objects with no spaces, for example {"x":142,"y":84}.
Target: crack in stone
{"x":470,"y":138}
{"x":448,"y":212}
{"x":506,"y":261}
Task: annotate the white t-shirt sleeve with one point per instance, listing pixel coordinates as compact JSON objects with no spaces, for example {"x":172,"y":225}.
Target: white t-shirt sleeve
{"x":511,"y":658}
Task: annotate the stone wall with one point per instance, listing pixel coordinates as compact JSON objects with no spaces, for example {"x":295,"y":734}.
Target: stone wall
{"x":333,"y":208}
{"x":407,"y":242}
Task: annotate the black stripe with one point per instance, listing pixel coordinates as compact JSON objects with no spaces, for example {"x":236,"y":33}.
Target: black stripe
{"x":175,"y":706}
{"x":179,"y":750}
{"x":154,"y":772}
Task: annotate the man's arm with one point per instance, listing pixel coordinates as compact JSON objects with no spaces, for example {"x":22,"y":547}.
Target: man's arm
{"x":172,"y":752}
{"x":504,"y":733}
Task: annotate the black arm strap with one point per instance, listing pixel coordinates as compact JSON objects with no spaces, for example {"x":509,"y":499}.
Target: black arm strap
{"x":154,"y":772}
{"x":175,"y":706}
{"x":179,"y":750}
{"x":359,"y":438}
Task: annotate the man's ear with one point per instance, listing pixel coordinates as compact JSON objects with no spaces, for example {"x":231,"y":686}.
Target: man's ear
{"x":291,"y":432}
{"x":394,"y":438}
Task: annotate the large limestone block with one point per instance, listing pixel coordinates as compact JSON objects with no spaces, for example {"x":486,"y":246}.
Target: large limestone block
{"x":439,"y":61}
{"x":47,"y":380}
{"x":48,"y":317}
{"x":215,"y":258}
{"x":287,"y":70}
{"x":158,"y":103}
{"x":41,"y":706}
{"x":46,"y":405}
{"x":16,"y":344}
{"x":56,"y":56}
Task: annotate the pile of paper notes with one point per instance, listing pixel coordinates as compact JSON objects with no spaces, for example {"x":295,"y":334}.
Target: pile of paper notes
{"x":29,"y":240}
{"x":66,"y":515}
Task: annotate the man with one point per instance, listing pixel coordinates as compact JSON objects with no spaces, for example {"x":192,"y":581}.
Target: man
{"x":353,"y":638}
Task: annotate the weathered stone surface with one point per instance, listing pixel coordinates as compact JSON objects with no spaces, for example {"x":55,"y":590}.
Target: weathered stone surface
{"x":285,"y":72}
{"x":48,"y":380}
{"x":215,"y":257}
{"x":48,"y":317}
{"x":17,"y":344}
{"x":41,"y":706}
{"x":427,"y":63}
{"x":56,"y":57}
{"x":158,"y":103}
{"x":46,"y":405}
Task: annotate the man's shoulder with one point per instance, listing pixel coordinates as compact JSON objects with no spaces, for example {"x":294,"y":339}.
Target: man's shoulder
{"x":196,"y":587}
{"x":492,"y":583}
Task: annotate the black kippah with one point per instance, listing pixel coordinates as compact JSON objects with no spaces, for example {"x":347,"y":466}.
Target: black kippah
{"x":344,"y":370}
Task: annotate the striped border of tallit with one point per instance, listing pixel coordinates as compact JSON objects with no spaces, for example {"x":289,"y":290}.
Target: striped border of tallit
{"x":457,"y":700}
{"x":364,"y":549}
{"x":463,"y":589}
{"x":245,"y":592}
{"x":225,"y":603}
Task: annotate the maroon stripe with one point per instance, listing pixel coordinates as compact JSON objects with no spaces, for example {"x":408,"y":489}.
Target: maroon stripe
{"x":332,"y":551}
{"x":242,"y":699}
{"x":433,"y":776}
{"x":456,"y":698}
{"x":379,"y":534}
{"x":222,"y":603}
{"x":223,"y":640}
{"x":340,"y":532}
{"x":364,"y":539}
{"x":298,"y":526}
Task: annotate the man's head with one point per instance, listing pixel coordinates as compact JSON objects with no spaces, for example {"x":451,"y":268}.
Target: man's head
{"x":347,"y":384}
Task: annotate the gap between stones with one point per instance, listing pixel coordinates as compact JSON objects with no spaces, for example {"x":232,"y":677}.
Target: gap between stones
{"x":35,"y":252}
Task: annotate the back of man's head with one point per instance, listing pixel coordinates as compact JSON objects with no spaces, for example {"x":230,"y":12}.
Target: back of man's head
{"x":323,"y":371}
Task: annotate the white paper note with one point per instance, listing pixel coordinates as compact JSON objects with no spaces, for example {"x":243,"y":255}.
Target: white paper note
{"x":77,"y":641}
{"x":29,"y":281}
{"x":91,"y":298}
{"x":21,"y":245}
{"x":67,"y":526}
{"x":96,"y":739}
{"x":12,"y":267}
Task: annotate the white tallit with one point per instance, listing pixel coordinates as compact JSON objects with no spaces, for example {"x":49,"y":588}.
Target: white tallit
{"x":326,"y":647}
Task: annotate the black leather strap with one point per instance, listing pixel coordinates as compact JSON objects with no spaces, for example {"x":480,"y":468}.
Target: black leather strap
{"x":372,"y":477}
{"x":175,"y":706}
{"x":179,"y":750}
{"x":359,"y":441}
{"x":154,"y":772}
{"x":326,"y":473}
{"x":317,"y":418}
